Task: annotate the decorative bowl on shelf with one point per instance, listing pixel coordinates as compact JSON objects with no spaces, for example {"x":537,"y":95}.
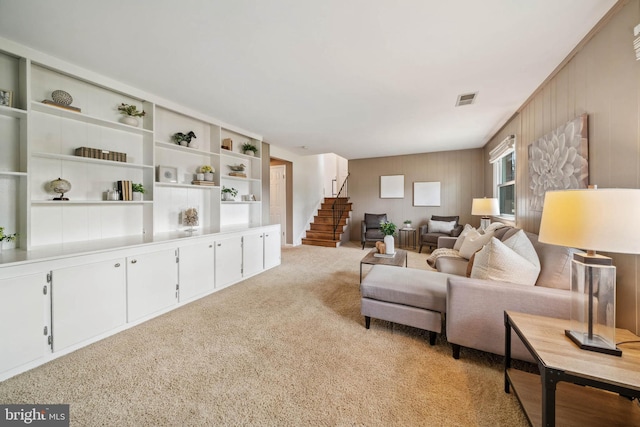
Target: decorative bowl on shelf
{"x":61,"y":97}
{"x":237,"y":168}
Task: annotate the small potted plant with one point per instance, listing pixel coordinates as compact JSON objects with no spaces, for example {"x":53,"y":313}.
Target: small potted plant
{"x":184,"y":139}
{"x":130,"y":114}
{"x":207,"y":173}
{"x":6,"y":237}
{"x":388,"y":229}
{"x":407,"y":223}
{"x":249,"y":149}
{"x":229,"y":194}
{"x":138,"y":191}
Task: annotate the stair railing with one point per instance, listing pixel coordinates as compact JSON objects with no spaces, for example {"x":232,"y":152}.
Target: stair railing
{"x":340,"y":205}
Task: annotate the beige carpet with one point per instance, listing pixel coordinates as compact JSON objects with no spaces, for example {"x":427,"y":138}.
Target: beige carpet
{"x":285,"y":348}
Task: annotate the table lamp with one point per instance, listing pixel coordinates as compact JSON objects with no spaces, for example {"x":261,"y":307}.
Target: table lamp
{"x":485,"y":207}
{"x":593,"y":220}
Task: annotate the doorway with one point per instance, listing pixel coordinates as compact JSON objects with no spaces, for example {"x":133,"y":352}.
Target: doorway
{"x":278,"y":199}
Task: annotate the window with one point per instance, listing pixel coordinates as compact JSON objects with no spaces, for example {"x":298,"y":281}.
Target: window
{"x":503,"y":158}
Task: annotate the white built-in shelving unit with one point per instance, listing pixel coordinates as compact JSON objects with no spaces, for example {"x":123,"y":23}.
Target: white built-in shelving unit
{"x":112,"y":264}
{"x":39,"y":142}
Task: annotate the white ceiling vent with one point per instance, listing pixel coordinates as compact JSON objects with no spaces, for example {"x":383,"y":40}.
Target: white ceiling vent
{"x":466,"y":99}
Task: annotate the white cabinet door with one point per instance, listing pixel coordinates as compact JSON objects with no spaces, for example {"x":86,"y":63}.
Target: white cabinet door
{"x":272,"y":248}
{"x":22,"y":320}
{"x":228,"y":265}
{"x":252,"y":253}
{"x":152,"y":281}
{"x":196,"y":270}
{"x":86,"y":301}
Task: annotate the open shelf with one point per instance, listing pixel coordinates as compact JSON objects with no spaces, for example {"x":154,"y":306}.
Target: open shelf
{"x":73,"y":115}
{"x":90,"y":202}
{"x":581,"y":406}
{"x":11,"y":173}
{"x":183,"y":149}
{"x":239,"y":178}
{"x":224,"y":152}
{"x":90,"y":160}
{"x":241,"y":202}
{"x":13,"y":112}
{"x":180,"y":185}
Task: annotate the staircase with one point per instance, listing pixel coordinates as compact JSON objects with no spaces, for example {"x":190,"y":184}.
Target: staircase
{"x":322,"y":228}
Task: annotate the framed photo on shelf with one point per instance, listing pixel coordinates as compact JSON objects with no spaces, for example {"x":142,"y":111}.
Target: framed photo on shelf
{"x":6,"y":98}
{"x":167,"y":174}
{"x":227,"y":144}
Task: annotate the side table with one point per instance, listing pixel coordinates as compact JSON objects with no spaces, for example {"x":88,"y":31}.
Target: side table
{"x":372,"y":258}
{"x":408,"y":232}
{"x":558,"y":395}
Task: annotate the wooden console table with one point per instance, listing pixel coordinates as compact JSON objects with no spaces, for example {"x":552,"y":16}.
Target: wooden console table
{"x":559,"y":394}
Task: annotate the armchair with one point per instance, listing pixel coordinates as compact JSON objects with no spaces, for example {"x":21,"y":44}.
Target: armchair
{"x":438,"y":226}
{"x":370,"y":229}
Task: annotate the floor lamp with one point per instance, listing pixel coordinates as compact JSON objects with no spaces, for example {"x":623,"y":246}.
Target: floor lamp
{"x":589,"y":220}
{"x":485,"y":207}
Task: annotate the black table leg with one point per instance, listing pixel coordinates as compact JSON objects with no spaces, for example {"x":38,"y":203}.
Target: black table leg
{"x":548,"y":377}
{"x":507,"y":351}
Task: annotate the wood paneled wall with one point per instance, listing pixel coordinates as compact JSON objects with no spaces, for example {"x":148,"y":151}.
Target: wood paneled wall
{"x":461,"y":174}
{"x":602,"y":80}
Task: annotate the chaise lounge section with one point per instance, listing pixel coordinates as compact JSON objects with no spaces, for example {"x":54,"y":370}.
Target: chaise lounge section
{"x":405,"y":295}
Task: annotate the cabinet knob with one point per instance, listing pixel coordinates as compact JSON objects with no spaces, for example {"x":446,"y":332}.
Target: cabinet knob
{"x":219,"y":244}
{"x":117,"y":265}
{"x":133,"y":261}
{"x":210,"y":246}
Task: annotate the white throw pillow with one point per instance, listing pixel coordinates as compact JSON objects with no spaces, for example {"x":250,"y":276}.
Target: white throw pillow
{"x":494,"y":226}
{"x":441,"y":226}
{"x":473,"y":242}
{"x":521,"y":244}
{"x":496,"y":261}
{"x":467,"y":228}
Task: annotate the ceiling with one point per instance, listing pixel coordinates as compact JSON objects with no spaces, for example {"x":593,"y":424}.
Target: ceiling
{"x":359,"y":78}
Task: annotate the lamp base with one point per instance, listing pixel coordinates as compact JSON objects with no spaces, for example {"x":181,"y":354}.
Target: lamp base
{"x":485,"y":221}
{"x":596,"y":344}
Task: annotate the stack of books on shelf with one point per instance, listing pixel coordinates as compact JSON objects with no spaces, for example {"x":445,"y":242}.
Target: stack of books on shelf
{"x":209,"y":183}
{"x":240,"y":174}
{"x":97,"y":153}
{"x":124,"y":188}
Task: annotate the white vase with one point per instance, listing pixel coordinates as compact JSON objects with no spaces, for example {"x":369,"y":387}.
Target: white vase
{"x":137,"y":196}
{"x":249,"y":153}
{"x":130,"y":120}
{"x":389,"y":243}
{"x":199,"y":177}
{"x":208,"y":176}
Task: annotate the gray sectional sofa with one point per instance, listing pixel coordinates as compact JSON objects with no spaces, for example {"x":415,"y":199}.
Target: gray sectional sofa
{"x":473,"y":308}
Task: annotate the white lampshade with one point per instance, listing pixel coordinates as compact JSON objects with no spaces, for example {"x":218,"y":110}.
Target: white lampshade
{"x":603,"y":219}
{"x":485,"y":207}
